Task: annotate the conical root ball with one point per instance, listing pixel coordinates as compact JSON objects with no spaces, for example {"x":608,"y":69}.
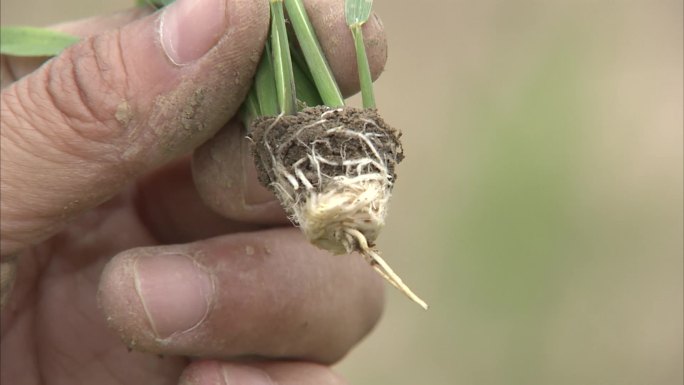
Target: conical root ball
{"x":332,"y":169}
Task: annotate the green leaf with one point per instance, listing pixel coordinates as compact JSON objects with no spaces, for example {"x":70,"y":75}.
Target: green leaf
{"x":265,"y":84}
{"x":357,"y":11}
{"x":31,"y":41}
{"x":313,"y":54}
{"x":367,"y":95}
{"x":282,"y":62}
{"x":298,"y":56}
{"x":307,"y":93}
{"x":263,"y":98}
{"x":306,"y":90}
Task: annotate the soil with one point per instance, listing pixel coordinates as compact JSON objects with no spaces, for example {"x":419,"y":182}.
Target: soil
{"x":291,"y":139}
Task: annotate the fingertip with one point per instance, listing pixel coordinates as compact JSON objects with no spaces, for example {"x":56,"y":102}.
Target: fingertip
{"x":304,"y":373}
{"x":226,"y":180}
{"x":328,"y":19}
{"x":259,"y":373}
{"x":203,"y":372}
{"x":269,"y":294}
{"x":122,"y":308}
{"x":376,"y":45}
{"x":224,"y":373}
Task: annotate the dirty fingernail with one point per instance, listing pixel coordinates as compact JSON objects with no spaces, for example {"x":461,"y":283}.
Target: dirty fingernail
{"x":254,"y":192}
{"x":190,"y":28}
{"x":175,"y":291}
{"x":245,"y":375}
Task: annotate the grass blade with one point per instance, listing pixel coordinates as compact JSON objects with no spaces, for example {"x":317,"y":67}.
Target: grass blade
{"x":265,"y":84}
{"x":357,"y":13}
{"x":30,"y":41}
{"x":367,"y":95}
{"x":318,"y":65}
{"x":282,"y":62}
{"x":306,"y":90}
{"x":298,"y":58}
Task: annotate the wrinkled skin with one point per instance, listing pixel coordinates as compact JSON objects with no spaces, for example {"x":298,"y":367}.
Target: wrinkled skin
{"x":120,"y":261}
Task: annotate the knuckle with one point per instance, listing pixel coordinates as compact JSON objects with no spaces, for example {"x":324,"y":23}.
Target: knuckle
{"x":84,"y":93}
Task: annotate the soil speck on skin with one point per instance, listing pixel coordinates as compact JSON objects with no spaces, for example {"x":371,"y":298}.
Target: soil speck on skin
{"x":124,"y":113}
{"x":70,"y":208}
{"x":178,"y":118}
{"x":189,"y":111}
{"x":255,"y":56}
{"x":132,"y":344}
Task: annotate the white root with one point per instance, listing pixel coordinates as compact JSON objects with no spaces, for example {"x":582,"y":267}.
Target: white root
{"x":384,"y":268}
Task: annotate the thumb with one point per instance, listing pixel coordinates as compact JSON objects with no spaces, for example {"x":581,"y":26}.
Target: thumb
{"x":116,"y":104}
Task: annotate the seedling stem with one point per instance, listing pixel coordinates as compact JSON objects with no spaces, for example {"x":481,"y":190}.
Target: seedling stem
{"x":367,"y":96}
{"x":282,"y":62}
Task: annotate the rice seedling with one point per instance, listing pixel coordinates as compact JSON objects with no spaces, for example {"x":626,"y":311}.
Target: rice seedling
{"x":331,"y":166}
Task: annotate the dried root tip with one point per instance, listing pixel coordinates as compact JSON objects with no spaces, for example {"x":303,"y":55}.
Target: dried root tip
{"x":386,"y":272}
{"x":384,"y":269}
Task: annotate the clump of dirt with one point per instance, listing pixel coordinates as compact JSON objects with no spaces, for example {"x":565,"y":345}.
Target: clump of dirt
{"x":333,"y":135}
{"x":332,"y":169}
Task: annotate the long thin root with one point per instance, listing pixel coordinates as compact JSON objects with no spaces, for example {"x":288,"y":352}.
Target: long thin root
{"x":384,"y":269}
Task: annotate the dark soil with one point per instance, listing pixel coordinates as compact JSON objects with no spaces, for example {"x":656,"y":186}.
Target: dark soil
{"x":292,"y":137}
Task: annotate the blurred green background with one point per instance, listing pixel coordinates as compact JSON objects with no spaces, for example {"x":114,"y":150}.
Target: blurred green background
{"x":539,"y":210}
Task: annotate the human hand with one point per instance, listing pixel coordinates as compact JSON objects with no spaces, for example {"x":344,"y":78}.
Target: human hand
{"x":101,"y":212}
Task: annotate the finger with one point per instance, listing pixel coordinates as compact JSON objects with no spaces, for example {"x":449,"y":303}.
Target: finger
{"x":226,"y":179}
{"x":265,"y":373}
{"x":223,"y":167}
{"x":16,"y":67}
{"x":263,"y":294}
{"x":117,"y":104}
{"x":170,"y":208}
{"x":329,"y":21}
